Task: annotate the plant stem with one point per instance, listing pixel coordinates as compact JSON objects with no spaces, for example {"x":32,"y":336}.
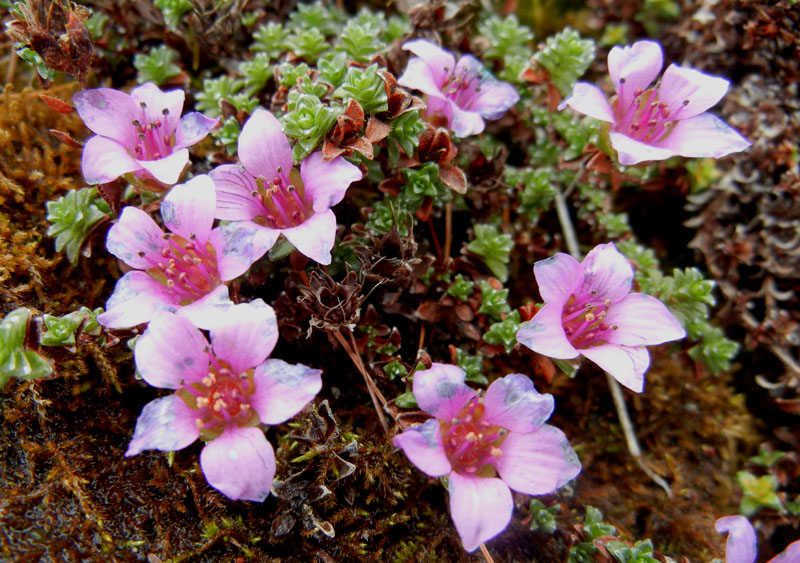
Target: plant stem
{"x":485,"y":553}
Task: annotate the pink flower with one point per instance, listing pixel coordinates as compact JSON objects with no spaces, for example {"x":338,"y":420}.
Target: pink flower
{"x":222,"y":393}
{"x":465,"y":93}
{"x":142,"y":133}
{"x":663,"y":121}
{"x":742,"y":545}
{"x":589,"y":310}
{"x":472,"y":439}
{"x":266,"y":197}
{"x":184,"y":270}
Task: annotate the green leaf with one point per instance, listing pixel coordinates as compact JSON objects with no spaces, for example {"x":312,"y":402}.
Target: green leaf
{"x":307,"y":123}
{"x":308,"y":44}
{"x":333,"y":68}
{"x":566,"y":57}
{"x":494,"y":302}
{"x":327,"y":19}
{"x":758,"y":493}
{"x":173,"y":11}
{"x":256,"y":73}
{"x":227,"y":135}
{"x":504,"y":333}
{"x":157,"y":66}
{"x":359,"y":41}
{"x":406,"y":401}
{"x":270,"y":39}
{"x":472,"y":366}
{"x":767,"y":458}
{"x":506,"y":36}
{"x":73,"y":216}
{"x":461,"y":288}
{"x":542,"y":517}
{"x":15,"y":359}
{"x":395,"y":369}
{"x":61,"y":330}
{"x":538,"y":189}
{"x":494,"y":248}
{"x":366,"y":87}
{"x":405,"y":132}
{"x":214,"y":90}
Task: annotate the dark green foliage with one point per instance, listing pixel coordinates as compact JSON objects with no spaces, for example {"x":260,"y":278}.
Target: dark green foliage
{"x":640,"y":552}
{"x":228,"y":134}
{"x":461,"y":288}
{"x":173,"y":10}
{"x":494,"y":302}
{"x":366,"y":87}
{"x":73,"y":216}
{"x":504,"y":333}
{"x":214,"y":90}
{"x":270,"y":39}
{"x":472,"y":366}
{"x":494,"y":248}
{"x":593,"y":527}
{"x":538,"y":191}
{"x":507,"y":37}
{"x":404,"y":135}
{"x":307,"y":123}
{"x":406,"y":401}
{"x":395,"y":369}
{"x":157,"y":66}
{"x":566,"y":57}
{"x":16,"y":360}
{"x":60,"y":331}
{"x":32,"y":57}
{"x":543,"y":517}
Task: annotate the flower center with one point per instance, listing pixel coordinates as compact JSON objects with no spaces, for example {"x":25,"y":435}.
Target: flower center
{"x":471,"y":442}
{"x":462,"y":89}
{"x":221,"y":398}
{"x":186,"y":268}
{"x":283,"y":200}
{"x":584,"y":321}
{"x":643,"y":117}
{"x":154,"y":141}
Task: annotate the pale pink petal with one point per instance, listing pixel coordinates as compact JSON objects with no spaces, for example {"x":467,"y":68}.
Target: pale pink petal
{"x":136,"y":297}
{"x":630,"y":151}
{"x":188,"y":209}
{"x":235,"y":188}
{"x":626,"y":364}
{"x":537,"y":463}
{"x":193,"y":128}
{"x":282,"y":390}
{"x":325,"y":183}
{"x":494,"y":99}
{"x":441,"y":62}
{"x":789,"y":555}
{"x":633,"y":68}
{"x":167,"y":170}
{"x":263,"y":148}
{"x":558,"y":276}
{"x":702,"y":136}
{"x":420,"y":76}
{"x":206,"y":312}
{"x":589,"y":100}
{"x":105,"y":160}
{"x":239,"y":245}
{"x":155,"y":102}
{"x":171,"y":353}
{"x":513,"y":403}
{"x":315,"y":236}
{"x":642,"y":320}
{"x":608,"y":274}
{"x":689,"y":92}
{"x":240,"y":464}
{"x":440,"y":390}
{"x":544,"y":333}
{"x":136,"y":239}
{"x":166,"y":424}
{"x":742,"y":544}
{"x":480,"y":507}
{"x":109,"y":113}
{"x":423,"y":447}
{"x":246,"y":335}
{"x":464,"y":123}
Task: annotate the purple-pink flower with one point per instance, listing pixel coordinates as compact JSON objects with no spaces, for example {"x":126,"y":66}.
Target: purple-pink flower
{"x":742,"y":544}
{"x":142,"y":133}
{"x":657,"y":123}
{"x":183,"y":270}
{"x":223,"y":392}
{"x":590,"y":311}
{"x":465,"y":93}
{"x":266,"y":197}
{"x":486,"y":446}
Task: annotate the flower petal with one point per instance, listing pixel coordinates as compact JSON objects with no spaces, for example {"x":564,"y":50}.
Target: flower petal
{"x":239,"y":245}
{"x":206,"y":312}
{"x":480,"y":507}
{"x":607,"y":273}
{"x":544,"y":333}
{"x":689,"y":92}
{"x":494,"y":99}
{"x":704,"y":135}
{"x":109,"y":113}
{"x":315,"y":236}
{"x":235,"y":187}
{"x":558,"y":276}
{"x":789,"y":555}
{"x":742,"y":544}
{"x":589,"y":100}
{"x":513,"y":403}
{"x":462,"y":122}
{"x":424,"y":448}
{"x":136,"y":239}
{"x":633,"y":68}
{"x":105,"y":160}
{"x":440,"y":62}
{"x":246,"y":335}
{"x":136,"y":298}
{"x":325,"y":183}
{"x":166,"y":424}
{"x":263,"y":148}
{"x":171,"y":353}
{"x":626,"y":364}
{"x":420,"y":76}
{"x":440,"y":390}
{"x":642,"y":320}
{"x":630,"y":151}
{"x":193,"y":128}
{"x":156,"y":102}
{"x":240,"y":464}
{"x":537,"y":463}
{"x":188,"y":209}
{"x":282,"y":390}
{"x":167,"y":170}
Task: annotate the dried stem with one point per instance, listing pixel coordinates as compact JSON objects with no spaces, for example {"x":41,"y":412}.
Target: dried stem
{"x":570,"y":237}
{"x":448,"y":230}
{"x":485,"y":553}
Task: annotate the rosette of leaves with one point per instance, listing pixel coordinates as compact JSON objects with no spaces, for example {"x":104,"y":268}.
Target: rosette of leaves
{"x":307,"y":123}
{"x":270,"y":39}
{"x":16,"y":359}
{"x":507,"y":37}
{"x":360,"y":41}
{"x":73,"y":216}
{"x":215,"y":90}
{"x":566,"y":56}
{"x":61,"y":330}
{"x":365,"y":86}
{"x":493,"y":248}
{"x":157,"y":66}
